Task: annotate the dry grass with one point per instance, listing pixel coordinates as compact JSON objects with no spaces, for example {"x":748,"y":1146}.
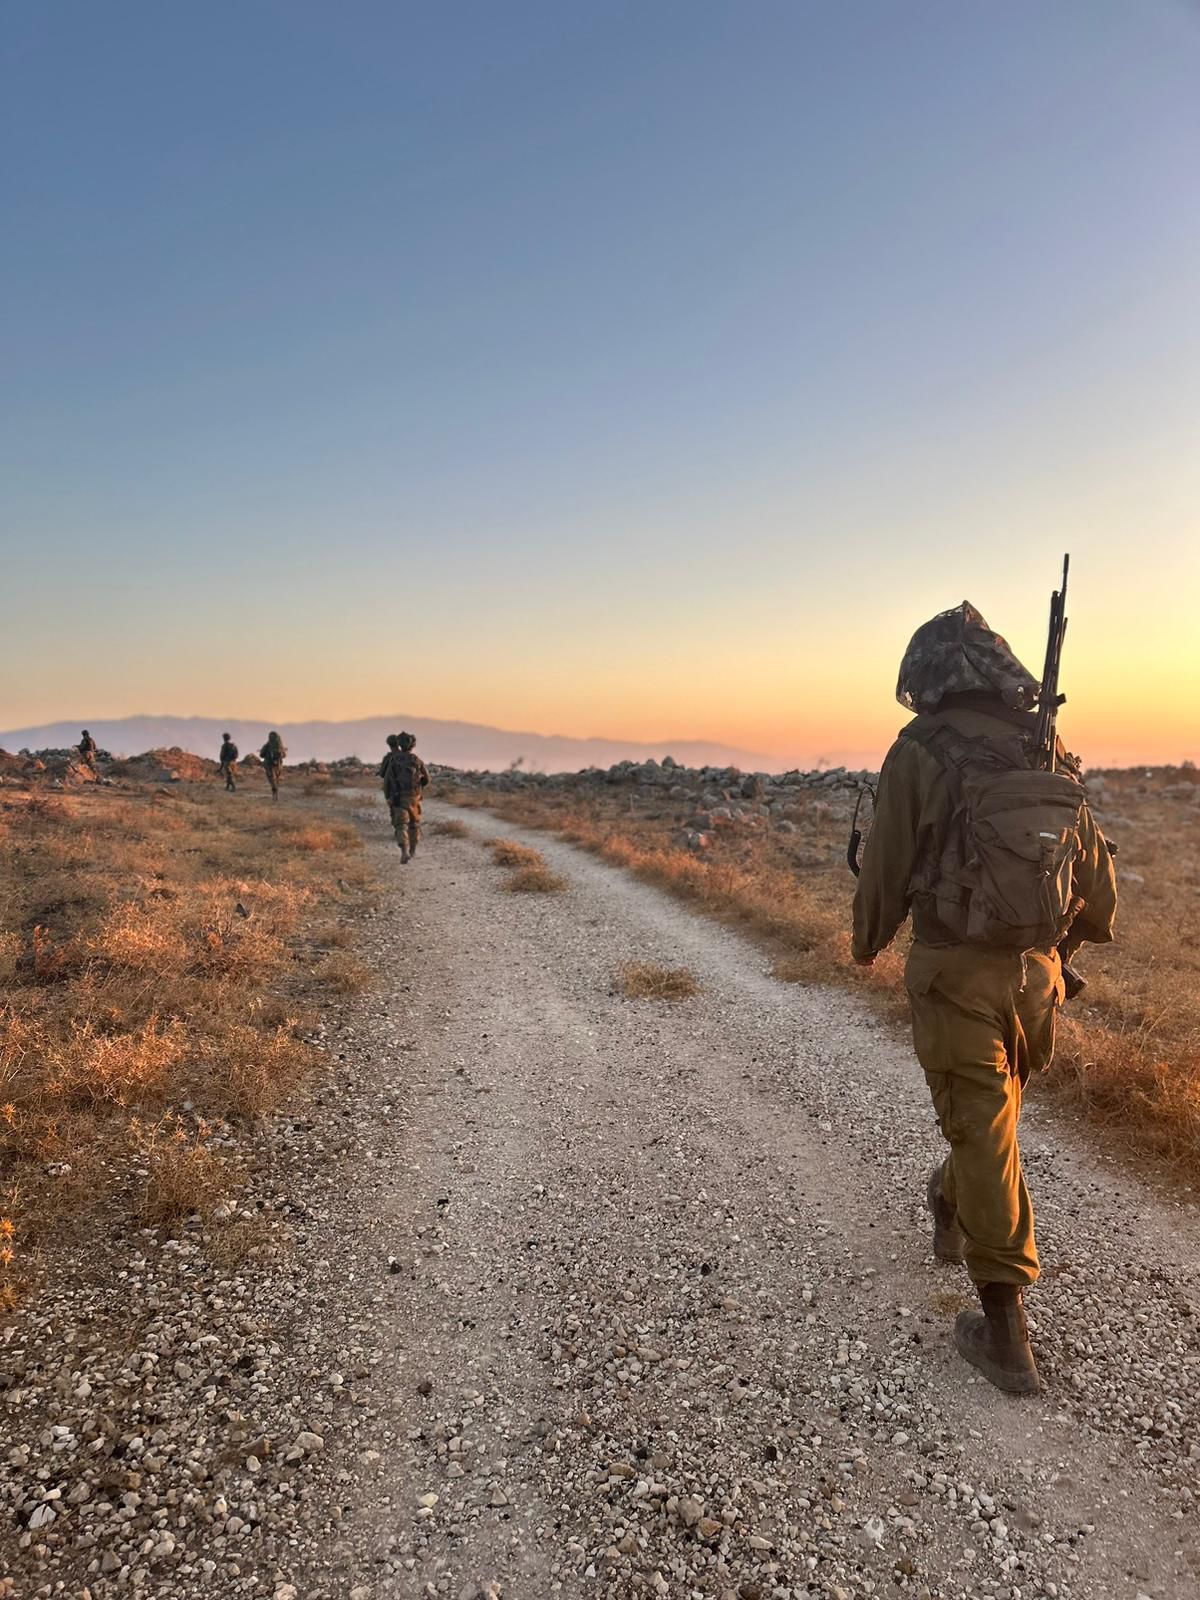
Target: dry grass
{"x":343,"y":972}
{"x":161,"y":950}
{"x":530,"y":874}
{"x":508,"y":853}
{"x":450,"y":828}
{"x":536,"y":878}
{"x":642,"y":980}
{"x":1129,"y":1050}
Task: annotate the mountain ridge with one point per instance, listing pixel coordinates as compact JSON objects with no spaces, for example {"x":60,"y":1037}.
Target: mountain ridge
{"x":450,"y":742}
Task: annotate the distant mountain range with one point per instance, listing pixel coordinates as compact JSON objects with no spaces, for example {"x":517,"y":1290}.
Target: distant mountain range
{"x":454,"y":744}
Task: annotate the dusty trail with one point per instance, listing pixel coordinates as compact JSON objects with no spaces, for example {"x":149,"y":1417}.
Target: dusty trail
{"x":663,"y":1318}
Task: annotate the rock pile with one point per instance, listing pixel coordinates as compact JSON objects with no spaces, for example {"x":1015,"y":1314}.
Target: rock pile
{"x":707,"y":799}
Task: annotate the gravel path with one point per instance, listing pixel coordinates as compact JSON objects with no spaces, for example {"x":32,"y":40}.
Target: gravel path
{"x":590,"y":1297}
{"x":664,"y":1320}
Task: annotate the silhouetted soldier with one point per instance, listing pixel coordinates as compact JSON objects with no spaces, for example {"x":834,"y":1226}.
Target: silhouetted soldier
{"x":404,"y":779}
{"x":228,"y":760}
{"x":273,"y":753}
{"x":960,"y":794}
{"x":87,"y":751}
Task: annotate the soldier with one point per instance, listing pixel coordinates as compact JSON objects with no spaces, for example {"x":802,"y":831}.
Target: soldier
{"x":87,"y":751}
{"x":273,"y":753}
{"x":983,"y":1007}
{"x":405,"y":777}
{"x":228,"y":761}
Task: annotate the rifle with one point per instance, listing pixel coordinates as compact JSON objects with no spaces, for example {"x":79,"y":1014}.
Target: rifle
{"x":1049,"y":699}
{"x":1046,"y":736}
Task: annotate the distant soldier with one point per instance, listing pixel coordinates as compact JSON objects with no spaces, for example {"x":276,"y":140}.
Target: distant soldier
{"x":273,"y":754}
{"x":964,"y":803}
{"x":228,"y":760}
{"x":404,"y":779}
{"x":87,"y":751}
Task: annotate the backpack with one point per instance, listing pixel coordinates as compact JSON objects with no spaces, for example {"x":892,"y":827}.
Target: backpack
{"x":229,"y":752}
{"x":403,"y":775}
{"x":1002,"y":877}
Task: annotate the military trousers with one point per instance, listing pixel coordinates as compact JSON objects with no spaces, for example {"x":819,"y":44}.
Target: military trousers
{"x":406,"y":821}
{"x":272,"y":770}
{"x":982,"y":1022}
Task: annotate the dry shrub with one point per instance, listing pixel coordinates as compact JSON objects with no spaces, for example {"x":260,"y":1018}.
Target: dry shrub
{"x":183,"y":1175}
{"x":508,"y":853}
{"x":342,"y":972}
{"x":643,"y":980}
{"x":124,"y":1068}
{"x":251,"y":1071}
{"x":141,"y":939}
{"x":312,"y":838}
{"x":450,"y":828}
{"x":536,"y":879}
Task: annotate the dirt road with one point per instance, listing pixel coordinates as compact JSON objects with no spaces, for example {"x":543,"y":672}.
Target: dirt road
{"x":561,"y":1294}
{"x":663,"y":1318}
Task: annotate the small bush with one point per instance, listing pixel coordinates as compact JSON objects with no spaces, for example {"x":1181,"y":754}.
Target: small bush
{"x":451,"y":828}
{"x":183,"y":1175}
{"x":343,"y":972}
{"x":536,"y":878}
{"x":642,"y":980}
{"x":508,"y":853}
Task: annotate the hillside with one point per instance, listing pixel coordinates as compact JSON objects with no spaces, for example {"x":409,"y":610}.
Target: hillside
{"x":454,"y":744}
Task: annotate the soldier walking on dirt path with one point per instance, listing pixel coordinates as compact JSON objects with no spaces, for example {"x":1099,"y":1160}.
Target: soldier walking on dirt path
{"x":228,"y":761}
{"x":405,"y":776}
{"x":1005,"y":875}
{"x":273,"y":753}
{"x":87,"y":751}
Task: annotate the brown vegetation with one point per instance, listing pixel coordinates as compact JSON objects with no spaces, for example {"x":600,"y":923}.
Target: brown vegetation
{"x":1129,"y":1049}
{"x":530,"y":874}
{"x":161,"y":955}
{"x":450,"y":828}
{"x":643,"y":980}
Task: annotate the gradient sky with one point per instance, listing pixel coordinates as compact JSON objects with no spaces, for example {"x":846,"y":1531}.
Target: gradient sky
{"x":633,"y":369}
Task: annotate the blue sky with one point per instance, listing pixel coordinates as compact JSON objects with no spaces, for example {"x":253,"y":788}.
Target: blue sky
{"x":642,"y":369}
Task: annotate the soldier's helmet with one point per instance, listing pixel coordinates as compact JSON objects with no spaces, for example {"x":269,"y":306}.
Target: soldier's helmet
{"x":393,"y":740}
{"x":85,"y":734}
{"x":407,"y":740}
{"x":956,"y":652}
{"x":225,"y":736}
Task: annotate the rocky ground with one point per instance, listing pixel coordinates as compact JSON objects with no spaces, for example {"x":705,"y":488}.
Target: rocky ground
{"x":549,"y":1292}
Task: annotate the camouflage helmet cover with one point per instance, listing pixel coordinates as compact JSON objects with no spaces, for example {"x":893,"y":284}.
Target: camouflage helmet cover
{"x":393,"y":739}
{"x":407,"y":740}
{"x":956,"y":652}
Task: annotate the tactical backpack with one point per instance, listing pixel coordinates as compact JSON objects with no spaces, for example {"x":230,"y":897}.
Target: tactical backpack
{"x":229,"y":753}
{"x":1002,"y":876}
{"x":403,"y":775}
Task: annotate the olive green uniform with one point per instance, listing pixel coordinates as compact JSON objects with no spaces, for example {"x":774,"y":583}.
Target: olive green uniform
{"x":405,"y":776}
{"x":272,"y":759}
{"x":983,"y":1019}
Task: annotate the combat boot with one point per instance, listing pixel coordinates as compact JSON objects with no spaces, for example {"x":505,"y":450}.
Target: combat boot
{"x":949,"y":1242}
{"x":403,"y":852}
{"x":996,"y":1339}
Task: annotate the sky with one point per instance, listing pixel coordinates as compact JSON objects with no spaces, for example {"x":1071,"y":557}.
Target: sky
{"x":647,"y":370}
